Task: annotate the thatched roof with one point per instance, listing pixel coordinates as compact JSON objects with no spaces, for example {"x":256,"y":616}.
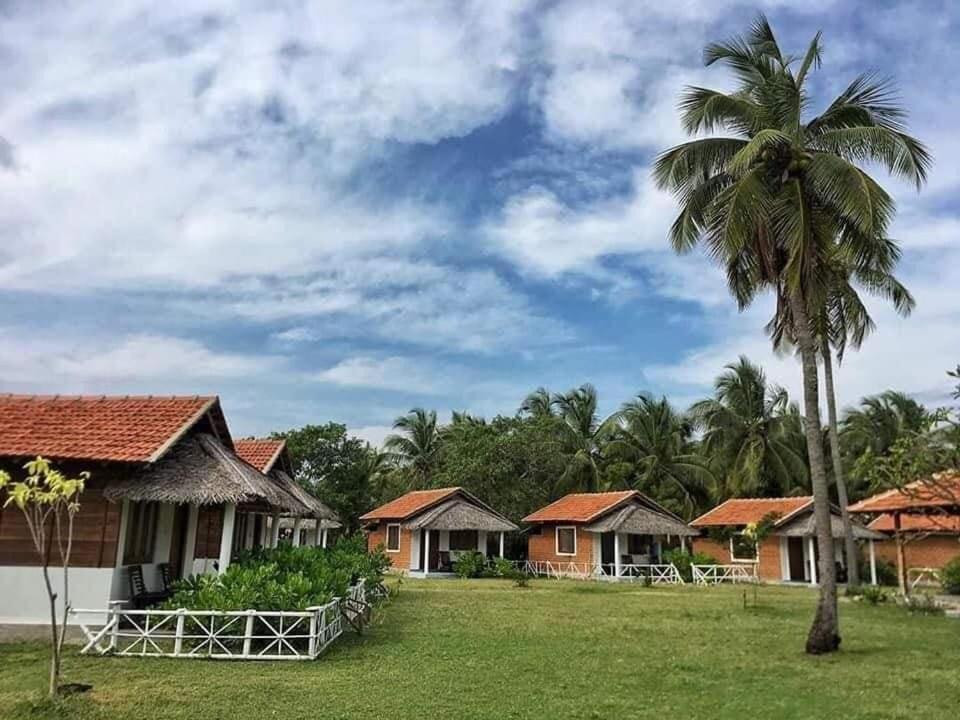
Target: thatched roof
{"x":635,"y":518}
{"x":200,"y":470}
{"x":806,"y":526}
{"x":460,"y":514}
{"x":328,"y":517}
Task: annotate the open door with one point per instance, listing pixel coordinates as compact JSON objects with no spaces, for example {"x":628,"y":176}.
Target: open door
{"x":178,"y":542}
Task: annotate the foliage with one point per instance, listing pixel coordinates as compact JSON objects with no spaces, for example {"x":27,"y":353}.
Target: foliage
{"x":683,"y":560}
{"x":886,"y":573}
{"x":950,"y":576}
{"x":470,"y":564}
{"x":49,"y":501}
{"x":873,"y":594}
{"x":922,"y":604}
{"x":416,"y":445}
{"x":282,"y":578}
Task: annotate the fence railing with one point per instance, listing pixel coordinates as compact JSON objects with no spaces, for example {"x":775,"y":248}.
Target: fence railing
{"x":923,"y":576}
{"x":665,"y":573}
{"x":230,"y":635}
{"x":716,"y":574}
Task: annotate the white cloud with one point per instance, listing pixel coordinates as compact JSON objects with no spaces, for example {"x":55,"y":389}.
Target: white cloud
{"x":401,"y":374}
{"x":373,"y":434}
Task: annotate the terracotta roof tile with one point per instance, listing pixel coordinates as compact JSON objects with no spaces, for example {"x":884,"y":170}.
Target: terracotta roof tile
{"x":132,"y":429}
{"x":262,"y":453}
{"x":919,"y":523}
{"x":942,"y":490}
{"x":742,"y":511}
{"x":409,"y":505}
{"x":580,"y":507}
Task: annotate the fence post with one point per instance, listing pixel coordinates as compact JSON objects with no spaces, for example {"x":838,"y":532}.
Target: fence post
{"x":314,"y":624}
{"x":114,"y":618}
{"x":178,"y":635}
{"x":248,"y":633}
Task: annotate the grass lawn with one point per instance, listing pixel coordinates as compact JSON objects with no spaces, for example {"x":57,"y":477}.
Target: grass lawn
{"x":558,"y":649}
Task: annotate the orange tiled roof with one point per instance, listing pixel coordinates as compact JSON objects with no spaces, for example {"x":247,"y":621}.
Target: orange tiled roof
{"x":580,"y":507}
{"x":742,"y":511}
{"x":262,"y":453}
{"x":919,"y":523}
{"x":131,"y":429}
{"x":942,"y":490}
{"x":410,"y":504}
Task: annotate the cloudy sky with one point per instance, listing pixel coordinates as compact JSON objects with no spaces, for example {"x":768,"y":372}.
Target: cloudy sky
{"x":341,"y":210}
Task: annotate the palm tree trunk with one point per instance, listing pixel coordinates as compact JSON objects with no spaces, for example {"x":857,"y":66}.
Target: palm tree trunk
{"x":850,"y":545}
{"x":824,"y":634}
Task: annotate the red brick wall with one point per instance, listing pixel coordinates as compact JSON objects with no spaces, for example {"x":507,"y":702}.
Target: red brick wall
{"x":769,"y":568}
{"x":933,"y":551}
{"x":378,"y":536}
{"x":543,"y":547}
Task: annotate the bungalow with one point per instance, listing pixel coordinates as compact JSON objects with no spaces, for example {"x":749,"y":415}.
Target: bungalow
{"x":425,"y":530}
{"x":271,"y":457}
{"x":167,"y":497}
{"x":789,"y":553}
{"x":920,"y":523}
{"x":613,"y":534}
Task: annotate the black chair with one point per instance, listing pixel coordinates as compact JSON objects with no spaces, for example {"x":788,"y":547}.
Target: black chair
{"x":139,"y":595}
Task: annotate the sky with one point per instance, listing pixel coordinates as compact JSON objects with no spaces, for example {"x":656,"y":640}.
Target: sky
{"x":340,"y":211}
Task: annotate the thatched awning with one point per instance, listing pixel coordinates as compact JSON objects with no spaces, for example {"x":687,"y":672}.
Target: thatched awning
{"x":328,"y":518}
{"x":459,"y":514}
{"x":199,"y":470}
{"x":637,"y":519}
{"x":806,"y":526}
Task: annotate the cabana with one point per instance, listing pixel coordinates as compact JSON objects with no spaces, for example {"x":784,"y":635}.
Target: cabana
{"x":424,"y":531}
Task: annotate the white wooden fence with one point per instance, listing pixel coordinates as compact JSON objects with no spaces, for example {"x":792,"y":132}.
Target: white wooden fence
{"x":716,"y":574}
{"x":231,"y":635}
{"x":923,"y":576}
{"x":657,"y":574}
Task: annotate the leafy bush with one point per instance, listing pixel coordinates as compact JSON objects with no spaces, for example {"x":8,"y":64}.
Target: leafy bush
{"x":950,"y":576}
{"x":682,"y":560}
{"x":282,"y":578}
{"x":874,"y":594}
{"x":886,"y":573}
{"x":470,"y":565}
{"x":923,"y":604}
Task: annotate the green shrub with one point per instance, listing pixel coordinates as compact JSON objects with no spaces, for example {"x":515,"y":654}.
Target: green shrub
{"x":683,"y":560}
{"x":500,"y":567}
{"x":950,"y":576}
{"x":282,"y":578}
{"x":923,"y":604}
{"x":874,"y":594}
{"x":470,"y":564}
{"x":886,"y":573}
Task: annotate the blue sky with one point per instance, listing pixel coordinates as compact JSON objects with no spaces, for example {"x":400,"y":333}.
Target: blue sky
{"x":343,"y":210}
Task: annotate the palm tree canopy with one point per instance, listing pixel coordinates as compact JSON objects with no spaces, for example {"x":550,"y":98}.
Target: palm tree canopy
{"x":417,"y":444}
{"x":538,"y":404}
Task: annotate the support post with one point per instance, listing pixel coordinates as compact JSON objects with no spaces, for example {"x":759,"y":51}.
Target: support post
{"x":190,"y":543}
{"x":275,"y":530}
{"x":901,"y":557}
{"x":812,"y":560}
{"x":178,"y":634}
{"x":226,"y":537}
{"x":323,"y":542}
{"x":426,"y":552}
{"x":616,"y":554}
{"x":873,"y":563}
{"x":297,"y":523}
{"x":683,"y":544}
{"x":501,"y":543}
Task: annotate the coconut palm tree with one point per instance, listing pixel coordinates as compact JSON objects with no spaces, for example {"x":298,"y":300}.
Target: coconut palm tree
{"x":779,"y":198}
{"x":538,"y":404}
{"x":580,"y":436}
{"x":650,"y":435}
{"x":417,"y":445}
{"x":750,"y":432}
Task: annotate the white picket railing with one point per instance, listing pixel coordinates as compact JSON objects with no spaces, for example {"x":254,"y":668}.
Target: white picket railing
{"x":923,"y":576}
{"x":716,"y":574}
{"x":231,"y":635}
{"x":657,"y":574}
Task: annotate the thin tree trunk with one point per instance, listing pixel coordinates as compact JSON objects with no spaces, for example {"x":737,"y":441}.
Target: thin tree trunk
{"x":824,"y":634}
{"x":850,"y":545}
{"x":55,"y":657}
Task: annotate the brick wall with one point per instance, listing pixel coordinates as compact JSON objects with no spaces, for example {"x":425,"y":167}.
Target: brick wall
{"x":933,"y":551}
{"x":769,"y":568}
{"x":543,"y":547}
{"x":398,"y":560}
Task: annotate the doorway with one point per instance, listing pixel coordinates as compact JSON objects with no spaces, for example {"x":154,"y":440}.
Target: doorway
{"x":178,"y":543}
{"x":795,"y":555}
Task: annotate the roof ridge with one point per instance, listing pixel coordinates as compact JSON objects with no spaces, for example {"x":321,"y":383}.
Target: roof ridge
{"x":95,"y":397}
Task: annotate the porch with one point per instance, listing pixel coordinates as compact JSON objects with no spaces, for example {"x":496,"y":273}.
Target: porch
{"x":800,"y":552}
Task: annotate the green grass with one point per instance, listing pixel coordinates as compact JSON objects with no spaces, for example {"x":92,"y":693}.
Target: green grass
{"x":486,"y":649}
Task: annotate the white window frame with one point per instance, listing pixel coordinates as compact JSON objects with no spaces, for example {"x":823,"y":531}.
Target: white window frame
{"x":556,"y":546}
{"x":386,"y":538}
{"x":756,"y":553}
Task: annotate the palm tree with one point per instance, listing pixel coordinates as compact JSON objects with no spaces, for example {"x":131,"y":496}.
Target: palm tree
{"x":749,"y":429}
{"x":844,"y":322}
{"x":417,"y":445}
{"x":777,"y":200}
{"x":580,"y":435}
{"x":651,"y":436}
{"x":538,"y":404}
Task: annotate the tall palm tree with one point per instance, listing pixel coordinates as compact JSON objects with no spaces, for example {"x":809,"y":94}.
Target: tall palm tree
{"x":649,"y":434}
{"x":779,"y":198}
{"x":749,"y":430}
{"x":417,"y":445}
{"x":538,"y":404}
{"x":844,"y":322}
{"x":580,"y":435}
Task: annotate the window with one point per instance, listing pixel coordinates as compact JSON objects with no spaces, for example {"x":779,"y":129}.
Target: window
{"x":566,"y":541}
{"x":463,"y":539}
{"x":393,"y":537}
{"x":743,"y":549}
{"x":141,"y":533}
